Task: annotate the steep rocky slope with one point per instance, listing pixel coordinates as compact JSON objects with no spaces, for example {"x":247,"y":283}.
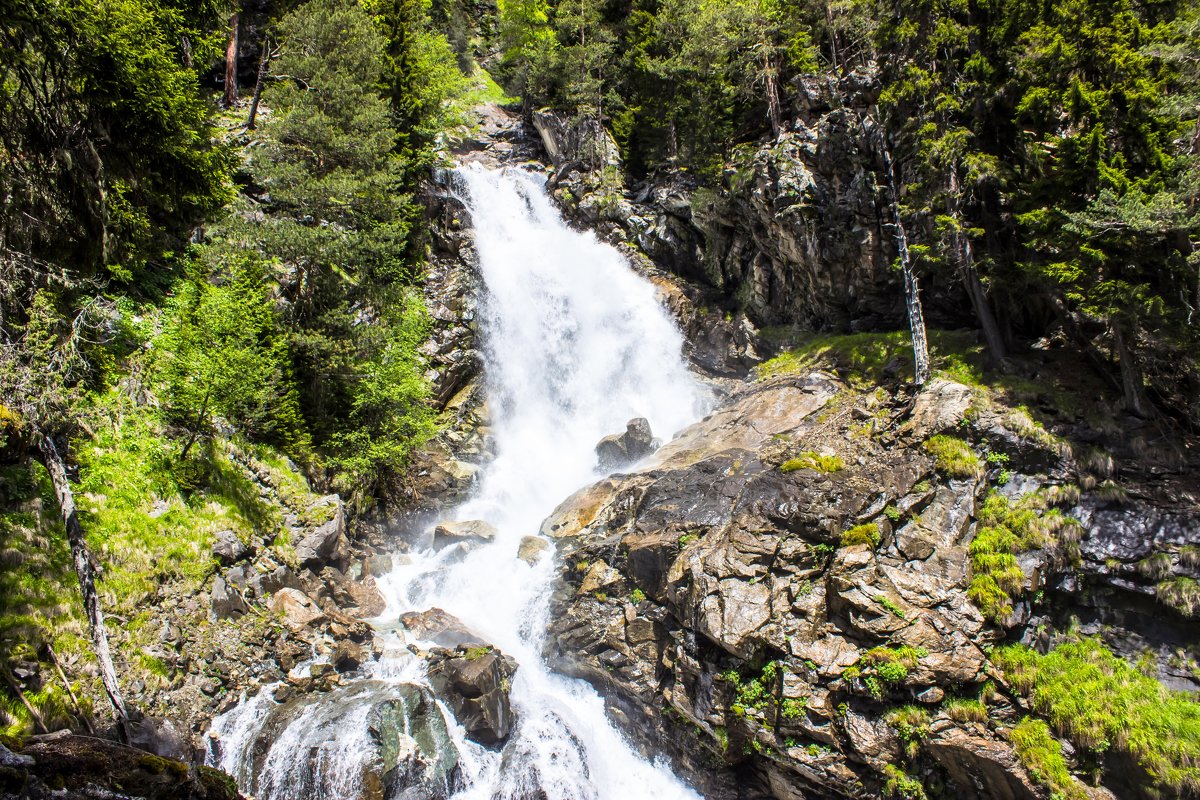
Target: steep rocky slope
{"x":790,"y":594}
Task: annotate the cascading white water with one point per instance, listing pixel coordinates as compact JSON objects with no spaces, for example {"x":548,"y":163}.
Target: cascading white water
{"x":576,"y":344}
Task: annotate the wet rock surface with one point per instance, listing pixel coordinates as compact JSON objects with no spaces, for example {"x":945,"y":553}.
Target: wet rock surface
{"x":619,"y":450}
{"x":476,"y":680}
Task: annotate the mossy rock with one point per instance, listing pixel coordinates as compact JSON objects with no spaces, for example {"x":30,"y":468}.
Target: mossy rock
{"x":75,"y":766}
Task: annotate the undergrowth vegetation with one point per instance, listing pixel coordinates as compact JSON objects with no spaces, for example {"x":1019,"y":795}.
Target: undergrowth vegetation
{"x":1101,"y":702}
{"x":1005,"y":530}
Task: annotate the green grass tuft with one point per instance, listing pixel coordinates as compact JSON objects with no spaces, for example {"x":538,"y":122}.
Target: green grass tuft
{"x":813,"y":460}
{"x":1041,"y":754}
{"x":964,"y":709}
{"x":867,"y":534}
{"x":1180,"y":593}
{"x":1101,"y":702}
{"x":954,"y":457}
{"x":1004,"y":531}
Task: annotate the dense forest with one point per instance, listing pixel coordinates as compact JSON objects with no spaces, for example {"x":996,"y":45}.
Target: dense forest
{"x":1045,"y":153}
{"x":215,"y":231}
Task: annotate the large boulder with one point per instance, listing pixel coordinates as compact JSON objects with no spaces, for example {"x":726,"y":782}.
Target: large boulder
{"x":475,"y":682}
{"x":326,"y":542}
{"x":65,"y":767}
{"x":438,"y":626}
{"x":226,"y":601}
{"x":417,"y":759}
{"x":228,"y":548}
{"x":472,"y":531}
{"x":634,"y":444}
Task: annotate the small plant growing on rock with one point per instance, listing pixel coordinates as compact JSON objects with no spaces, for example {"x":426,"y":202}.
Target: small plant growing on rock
{"x":901,"y":785}
{"x":892,"y":513}
{"x":792,"y":709}
{"x":1155,"y":566}
{"x":637,"y":596}
{"x":1101,"y":702}
{"x":867,"y":534}
{"x":811,"y":459}
{"x":1041,"y":755}
{"x":1181,"y":594}
{"x":890,"y":605}
{"x":954,"y":457}
{"x":966,"y":710}
{"x":911,"y":724}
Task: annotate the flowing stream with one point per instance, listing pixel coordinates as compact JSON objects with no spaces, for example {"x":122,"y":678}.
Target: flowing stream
{"x":576,"y":344}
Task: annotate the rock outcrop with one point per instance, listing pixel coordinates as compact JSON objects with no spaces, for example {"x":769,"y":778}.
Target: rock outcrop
{"x":765,"y":611}
{"x":65,"y":767}
{"x":621,"y":449}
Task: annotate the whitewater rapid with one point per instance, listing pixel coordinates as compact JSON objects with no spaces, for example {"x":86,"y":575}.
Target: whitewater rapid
{"x":575,"y":344}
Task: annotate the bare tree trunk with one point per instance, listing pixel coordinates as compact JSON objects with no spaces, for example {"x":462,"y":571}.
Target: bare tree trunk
{"x":263,"y":61}
{"x":970,"y":277}
{"x":1131,"y":375}
{"x":771,"y":78}
{"x":912,"y":286}
{"x":230,"y":98}
{"x":983,"y":308}
{"x":85,"y":569}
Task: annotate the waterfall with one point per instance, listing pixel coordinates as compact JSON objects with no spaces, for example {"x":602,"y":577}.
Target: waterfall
{"x":576,"y":344}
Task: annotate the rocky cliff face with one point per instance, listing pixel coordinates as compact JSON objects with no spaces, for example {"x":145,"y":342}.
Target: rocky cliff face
{"x":797,"y":233}
{"x":787,"y":598}
{"x":787,"y":579}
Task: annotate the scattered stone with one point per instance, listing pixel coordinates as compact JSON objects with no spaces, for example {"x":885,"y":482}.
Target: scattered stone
{"x":474,"y":531}
{"x":228,"y":548}
{"x":297,"y":608}
{"x":531,"y":549}
{"x":348,"y":656}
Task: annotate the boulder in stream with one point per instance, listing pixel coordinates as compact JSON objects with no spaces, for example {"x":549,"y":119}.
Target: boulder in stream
{"x":621,"y":449}
{"x":472,"y":531}
{"x":437,"y":626}
{"x":475,"y":681}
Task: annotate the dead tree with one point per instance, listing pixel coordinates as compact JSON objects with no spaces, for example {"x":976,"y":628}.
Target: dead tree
{"x":85,"y":569}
